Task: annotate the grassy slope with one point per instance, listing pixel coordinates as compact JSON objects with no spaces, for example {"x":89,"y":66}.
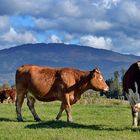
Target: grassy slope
{"x":98,"y":122}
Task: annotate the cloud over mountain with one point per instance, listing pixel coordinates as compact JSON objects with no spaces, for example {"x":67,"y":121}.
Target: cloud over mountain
{"x":108,"y":24}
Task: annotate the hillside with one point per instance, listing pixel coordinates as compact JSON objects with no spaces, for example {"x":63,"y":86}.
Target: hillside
{"x":61,"y":55}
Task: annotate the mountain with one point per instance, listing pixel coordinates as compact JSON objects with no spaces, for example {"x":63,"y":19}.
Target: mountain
{"x":62,"y":55}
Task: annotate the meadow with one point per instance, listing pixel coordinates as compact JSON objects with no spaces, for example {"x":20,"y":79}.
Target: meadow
{"x":100,"y":119}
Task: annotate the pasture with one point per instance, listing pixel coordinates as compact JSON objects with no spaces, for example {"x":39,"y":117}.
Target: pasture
{"x":101,"y":120}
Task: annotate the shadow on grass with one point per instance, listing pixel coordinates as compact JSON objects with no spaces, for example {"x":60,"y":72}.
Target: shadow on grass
{"x":7,"y":120}
{"x":62,"y":124}
{"x":135,"y":129}
{"x":13,"y":120}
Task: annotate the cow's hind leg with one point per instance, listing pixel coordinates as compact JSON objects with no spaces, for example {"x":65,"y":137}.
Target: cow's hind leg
{"x":1,"y":100}
{"x":30,"y":103}
{"x":19,"y":101}
{"x":62,"y":107}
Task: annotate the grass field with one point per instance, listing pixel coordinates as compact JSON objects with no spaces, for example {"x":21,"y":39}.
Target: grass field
{"x":103,"y":121}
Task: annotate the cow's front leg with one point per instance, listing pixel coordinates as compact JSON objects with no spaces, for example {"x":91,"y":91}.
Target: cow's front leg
{"x":138,"y":118}
{"x":68,"y":111}
{"x":68,"y":108}
{"x":135,"y":119}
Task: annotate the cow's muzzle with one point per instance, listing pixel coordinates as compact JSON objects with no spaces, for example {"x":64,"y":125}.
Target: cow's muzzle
{"x":136,"y":107}
{"x":106,"y":89}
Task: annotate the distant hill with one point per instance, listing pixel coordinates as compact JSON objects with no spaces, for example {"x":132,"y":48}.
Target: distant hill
{"x":62,"y":55}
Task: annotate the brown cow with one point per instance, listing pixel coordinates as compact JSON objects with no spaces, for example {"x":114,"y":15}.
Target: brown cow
{"x":49,"y":84}
{"x":8,"y":94}
{"x":131,"y":88}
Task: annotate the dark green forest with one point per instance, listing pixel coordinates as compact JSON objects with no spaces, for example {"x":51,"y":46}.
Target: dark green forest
{"x":115,"y":85}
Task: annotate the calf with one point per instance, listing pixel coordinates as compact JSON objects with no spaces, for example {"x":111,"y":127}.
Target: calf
{"x":131,"y":88}
{"x":7,"y":94}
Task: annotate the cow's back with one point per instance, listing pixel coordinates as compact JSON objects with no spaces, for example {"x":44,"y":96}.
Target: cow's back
{"x":38,"y":80}
{"x":47,"y":83}
{"x":131,"y":76}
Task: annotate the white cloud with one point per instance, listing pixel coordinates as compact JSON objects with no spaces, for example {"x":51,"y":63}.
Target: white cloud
{"x":54,"y":39}
{"x":109,"y":3}
{"x":45,"y":24}
{"x":40,"y":23}
{"x":41,"y":8}
{"x":66,"y":15}
{"x":131,"y":10}
{"x":68,"y":38}
{"x":84,"y":25}
{"x":126,"y":44}
{"x":97,"y":42}
{"x":72,"y":25}
{"x":4,"y":23}
{"x":67,"y":8}
{"x":18,"y":38}
{"x":138,"y":53}
{"x":73,"y":20}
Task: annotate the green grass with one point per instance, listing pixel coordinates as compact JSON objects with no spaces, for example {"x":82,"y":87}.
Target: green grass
{"x":110,"y":121}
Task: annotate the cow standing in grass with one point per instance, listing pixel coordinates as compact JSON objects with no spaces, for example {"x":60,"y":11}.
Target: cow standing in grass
{"x":8,"y":94}
{"x":131,"y":88}
{"x":50,"y":84}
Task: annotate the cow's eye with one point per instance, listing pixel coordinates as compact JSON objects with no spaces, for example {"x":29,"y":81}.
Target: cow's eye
{"x":93,"y":75}
{"x":100,"y":78}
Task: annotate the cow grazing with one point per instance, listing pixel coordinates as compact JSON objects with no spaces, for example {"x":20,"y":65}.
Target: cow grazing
{"x":131,"y":88}
{"x":8,"y":94}
{"x":50,"y":84}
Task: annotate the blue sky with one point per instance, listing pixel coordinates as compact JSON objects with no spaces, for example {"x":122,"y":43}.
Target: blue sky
{"x":107,"y":24}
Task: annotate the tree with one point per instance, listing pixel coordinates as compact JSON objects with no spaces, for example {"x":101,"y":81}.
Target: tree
{"x":122,"y":73}
{"x":115,"y":86}
{"x":6,"y":86}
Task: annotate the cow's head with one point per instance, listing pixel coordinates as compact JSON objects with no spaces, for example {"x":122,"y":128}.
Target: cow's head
{"x":134,"y":99}
{"x":97,"y":81}
{"x":136,"y":107}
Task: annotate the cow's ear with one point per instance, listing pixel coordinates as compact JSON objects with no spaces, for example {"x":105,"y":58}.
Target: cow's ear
{"x":92,"y":73}
{"x":95,"y":70}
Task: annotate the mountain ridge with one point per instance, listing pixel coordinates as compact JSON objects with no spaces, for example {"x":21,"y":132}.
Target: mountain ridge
{"x":62,"y":55}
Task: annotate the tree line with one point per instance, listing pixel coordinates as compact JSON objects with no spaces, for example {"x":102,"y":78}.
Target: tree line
{"x":6,"y":86}
{"x":115,"y":85}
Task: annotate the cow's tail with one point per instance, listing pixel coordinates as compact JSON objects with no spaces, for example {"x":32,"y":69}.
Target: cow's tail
{"x":16,"y":76}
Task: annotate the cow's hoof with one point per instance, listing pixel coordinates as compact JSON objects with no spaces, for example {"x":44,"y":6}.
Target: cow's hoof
{"x":57,"y":120}
{"x":138,"y":122}
{"x":20,"y":119}
{"x":70,"y":121}
{"x":134,"y":126}
{"x":38,"y":120}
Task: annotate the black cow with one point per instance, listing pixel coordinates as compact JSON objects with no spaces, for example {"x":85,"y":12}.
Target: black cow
{"x":131,"y":88}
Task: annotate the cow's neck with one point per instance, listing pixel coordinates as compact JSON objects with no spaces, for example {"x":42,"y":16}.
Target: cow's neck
{"x":138,"y":63}
{"x":83,"y":83}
